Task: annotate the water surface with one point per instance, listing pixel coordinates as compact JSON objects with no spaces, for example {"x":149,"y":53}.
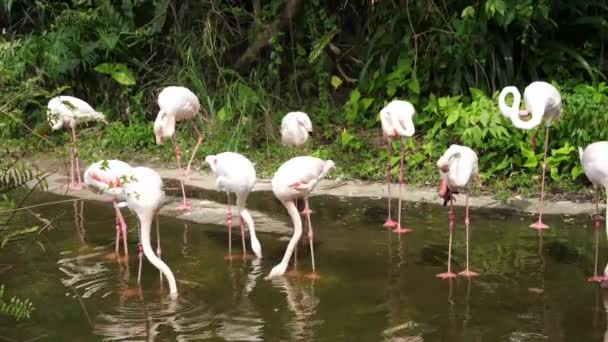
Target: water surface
{"x":374,"y":286}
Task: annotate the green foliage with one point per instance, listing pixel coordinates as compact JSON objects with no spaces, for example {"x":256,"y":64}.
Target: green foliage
{"x":15,"y":307}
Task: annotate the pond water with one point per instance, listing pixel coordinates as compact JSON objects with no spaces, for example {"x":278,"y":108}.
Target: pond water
{"x":374,"y":285}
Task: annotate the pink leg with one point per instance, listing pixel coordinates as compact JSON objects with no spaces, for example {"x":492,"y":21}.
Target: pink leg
{"x":467,"y":272}
{"x":229,"y":223}
{"x":540,"y":225}
{"x":76,"y":161}
{"x":140,"y":254}
{"x":389,"y":221}
{"x":306,"y":210}
{"x":198,"y":143}
{"x":314,"y":274}
{"x":243,"y":237}
{"x":598,"y":226}
{"x":117,"y":232}
{"x":400,"y":229}
{"x":449,"y":273}
{"x":72,"y":184}
{"x":178,"y":154}
{"x":123,"y":226}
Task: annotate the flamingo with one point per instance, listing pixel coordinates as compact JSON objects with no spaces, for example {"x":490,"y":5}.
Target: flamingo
{"x":143,"y":190}
{"x":177,"y":104}
{"x":542,"y":101}
{"x":297,"y":178}
{"x":594,"y":159}
{"x":67,"y":112}
{"x":295,"y":128}
{"x":105,"y":177}
{"x":396,"y":118}
{"x":235,"y":173}
{"x":459,"y":170}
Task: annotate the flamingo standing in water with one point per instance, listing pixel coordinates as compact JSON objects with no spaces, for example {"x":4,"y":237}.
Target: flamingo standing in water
{"x":542,"y":101}
{"x":143,"y":190}
{"x":594,"y":159}
{"x":396,"y":120}
{"x":235,"y":173}
{"x":297,"y":178}
{"x":177,"y":104}
{"x":105,"y":177}
{"x":67,"y":112}
{"x":459,"y":170}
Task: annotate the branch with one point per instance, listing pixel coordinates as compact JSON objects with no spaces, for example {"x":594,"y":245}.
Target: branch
{"x":292,"y":7}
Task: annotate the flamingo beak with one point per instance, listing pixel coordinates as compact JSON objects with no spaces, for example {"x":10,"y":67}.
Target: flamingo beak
{"x":523,"y":113}
{"x":159,"y":138}
{"x":444,"y":168}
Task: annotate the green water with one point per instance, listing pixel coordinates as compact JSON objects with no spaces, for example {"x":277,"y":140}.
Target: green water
{"x":374,"y":286}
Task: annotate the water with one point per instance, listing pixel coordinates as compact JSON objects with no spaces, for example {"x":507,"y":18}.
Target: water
{"x":374,"y":286}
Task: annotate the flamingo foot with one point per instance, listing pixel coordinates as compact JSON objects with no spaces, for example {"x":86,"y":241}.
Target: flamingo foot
{"x":229,"y":257}
{"x":185,"y":206}
{"x":468,"y":274}
{"x":604,"y":283}
{"x":123,"y":259}
{"x":401,"y":230}
{"x":247,"y":256}
{"x":313,"y":276}
{"x":539,"y":225}
{"x":74,"y":186}
{"x":446,"y":275}
{"x":306,"y":212}
{"x":596,"y":279}
{"x":293,"y":274}
{"x":390,"y":223}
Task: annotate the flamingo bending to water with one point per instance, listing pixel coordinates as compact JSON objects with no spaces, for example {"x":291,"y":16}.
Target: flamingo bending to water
{"x":396,"y":120}
{"x":594,"y":159}
{"x":143,"y":190}
{"x":459,"y":170}
{"x":177,"y":104}
{"x":542,"y":101}
{"x":235,"y":173}
{"x":297,"y":178}
{"x":105,"y":177}
{"x":67,"y":112}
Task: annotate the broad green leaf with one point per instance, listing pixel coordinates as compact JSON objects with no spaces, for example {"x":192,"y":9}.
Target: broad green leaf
{"x":321,"y":44}
{"x":414,"y":86}
{"x":531,"y":162}
{"x":366,"y":102}
{"x":576,"y":172}
{"x":221,"y":114}
{"x":336,"y":82}
{"x":452,"y":117}
{"x":118,"y":71}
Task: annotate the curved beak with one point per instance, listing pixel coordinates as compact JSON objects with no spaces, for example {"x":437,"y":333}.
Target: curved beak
{"x":159,"y":138}
{"x":444,"y":168}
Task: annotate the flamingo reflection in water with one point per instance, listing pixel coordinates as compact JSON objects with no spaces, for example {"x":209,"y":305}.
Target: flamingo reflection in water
{"x":303,"y":303}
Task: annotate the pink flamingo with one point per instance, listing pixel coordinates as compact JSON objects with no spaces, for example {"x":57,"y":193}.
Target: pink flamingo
{"x":67,"y":112}
{"x":143,"y":190}
{"x":594,"y":159}
{"x":295,"y":129}
{"x":297,"y":178}
{"x":235,"y":173}
{"x":459,"y":170}
{"x":177,"y":104}
{"x":542,"y":101}
{"x":105,"y":177}
{"x":396,"y":120}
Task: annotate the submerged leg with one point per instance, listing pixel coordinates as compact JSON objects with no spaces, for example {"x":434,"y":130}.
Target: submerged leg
{"x":314,"y":274}
{"x":118,"y":229}
{"x":229,"y":223}
{"x":540,"y":225}
{"x":389,"y":221}
{"x":400,"y":229}
{"x":198,"y":143}
{"x":467,"y":272}
{"x":306,"y":210}
{"x":243,"y":237}
{"x":598,"y":226}
{"x":178,"y":154}
{"x":449,"y":273}
{"x":123,"y":227}
{"x":76,"y":161}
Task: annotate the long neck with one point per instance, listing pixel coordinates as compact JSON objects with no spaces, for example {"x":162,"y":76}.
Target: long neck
{"x":537,"y":109}
{"x":297,"y":230}
{"x":255,"y":243}
{"x":509,"y":112}
{"x":145,"y":221}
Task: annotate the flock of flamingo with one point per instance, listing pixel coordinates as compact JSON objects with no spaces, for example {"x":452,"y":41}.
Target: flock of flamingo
{"x":141,"y":188}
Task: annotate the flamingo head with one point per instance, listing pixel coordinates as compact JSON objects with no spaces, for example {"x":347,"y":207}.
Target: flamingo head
{"x":444,"y":191}
{"x":164,"y":126}
{"x":445,"y":168}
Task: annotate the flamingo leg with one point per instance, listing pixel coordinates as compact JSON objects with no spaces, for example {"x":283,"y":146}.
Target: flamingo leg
{"x":400,"y":229}
{"x":306,"y":210}
{"x":389,"y":221}
{"x":117,"y":232}
{"x":178,"y":154}
{"x":198,"y":143}
{"x":598,"y":225}
{"x":449,"y":274}
{"x":243,"y":236}
{"x":229,"y":223}
{"x":72,"y":183}
{"x":71,"y":173}
{"x":158,"y":250}
{"x":123,"y":226}
{"x":140,"y":253}
{"x":467,"y":272}
{"x":540,"y":225}
{"x":314,"y":274}
{"x":76,"y":161}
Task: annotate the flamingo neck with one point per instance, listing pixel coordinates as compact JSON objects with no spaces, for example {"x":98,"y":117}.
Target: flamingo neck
{"x":297,"y":230}
{"x":145,"y":221}
{"x":537,"y":109}
{"x":244,"y":213}
{"x":509,"y":112}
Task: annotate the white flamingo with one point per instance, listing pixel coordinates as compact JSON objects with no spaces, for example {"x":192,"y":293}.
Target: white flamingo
{"x":177,"y":104}
{"x":459,"y":171}
{"x":295,"y":128}
{"x":297,"y":178}
{"x":68,"y":112}
{"x":105,"y":176}
{"x":396,"y":118}
{"x":542,"y":101}
{"x":143,"y":190}
{"x":594,"y":159}
{"x":235,"y":173}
